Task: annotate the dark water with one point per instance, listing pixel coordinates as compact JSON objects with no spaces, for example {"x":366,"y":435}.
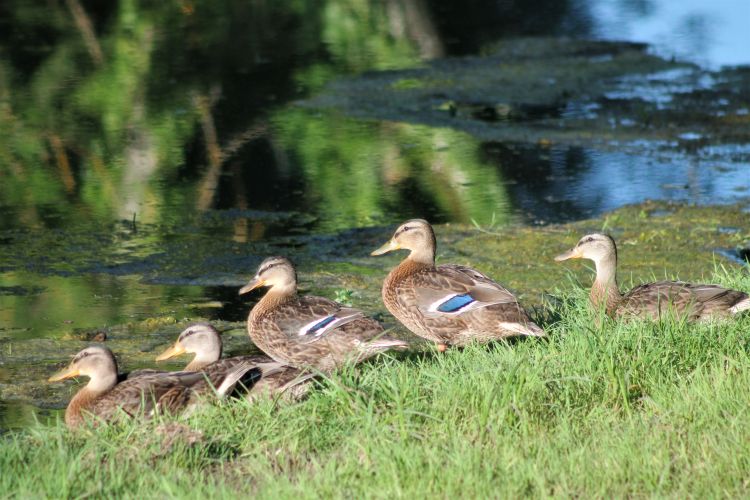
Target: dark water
{"x":133,"y":132}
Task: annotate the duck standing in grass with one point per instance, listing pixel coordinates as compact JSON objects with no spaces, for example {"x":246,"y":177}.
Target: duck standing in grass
{"x":308,"y":331}
{"x":204,"y":341}
{"x":651,"y":300}
{"x":109,"y":395}
{"x":448,"y":304}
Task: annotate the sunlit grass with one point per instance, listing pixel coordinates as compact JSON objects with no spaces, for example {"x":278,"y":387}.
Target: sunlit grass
{"x":598,"y":409}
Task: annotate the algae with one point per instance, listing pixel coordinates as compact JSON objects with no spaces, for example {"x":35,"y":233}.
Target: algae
{"x":556,"y":90}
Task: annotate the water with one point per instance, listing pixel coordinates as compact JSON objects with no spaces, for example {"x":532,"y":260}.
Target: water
{"x":149,"y":164}
{"x":708,"y":33}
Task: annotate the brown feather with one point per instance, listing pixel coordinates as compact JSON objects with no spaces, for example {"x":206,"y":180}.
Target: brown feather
{"x":275,"y":323}
{"x":693,"y":301}
{"x":404,"y":292}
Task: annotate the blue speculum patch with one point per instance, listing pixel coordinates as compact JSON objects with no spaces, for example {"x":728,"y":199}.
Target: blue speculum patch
{"x":455,"y":303}
{"x":321,"y":324}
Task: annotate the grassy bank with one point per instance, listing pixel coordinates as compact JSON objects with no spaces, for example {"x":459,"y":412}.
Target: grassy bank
{"x":618,"y":409}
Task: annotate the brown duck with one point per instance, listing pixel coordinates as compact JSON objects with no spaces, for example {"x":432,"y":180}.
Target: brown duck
{"x":448,"y":304}
{"x":108,"y":395}
{"x":204,"y":341}
{"x":651,"y":300}
{"x":308,"y":331}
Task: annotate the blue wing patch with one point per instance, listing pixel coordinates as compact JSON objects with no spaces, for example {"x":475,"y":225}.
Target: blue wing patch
{"x":321,"y":324}
{"x":456,"y":303}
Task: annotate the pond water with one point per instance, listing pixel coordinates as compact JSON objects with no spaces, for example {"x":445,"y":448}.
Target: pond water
{"x":151,"y":155}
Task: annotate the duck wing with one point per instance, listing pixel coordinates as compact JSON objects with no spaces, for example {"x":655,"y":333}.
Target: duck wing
{"x":716,"y":299}
{"x":225,"y":374}
{"x":696,"y":300}
{"x":146,"y":395}
{"x":137,"y":373}
{"x":454,"y":290}
{"x":309,"y":319}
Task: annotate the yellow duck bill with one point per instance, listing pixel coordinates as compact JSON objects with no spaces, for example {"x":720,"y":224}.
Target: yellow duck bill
{"x":390,"y":246}
{"x":573,"y":253}
{"x":171,"y":352}
{"x":65,"y":373}
{"x":254,"y":283}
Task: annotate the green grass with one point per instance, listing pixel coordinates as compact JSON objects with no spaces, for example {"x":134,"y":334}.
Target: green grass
{"x":621,"y":409}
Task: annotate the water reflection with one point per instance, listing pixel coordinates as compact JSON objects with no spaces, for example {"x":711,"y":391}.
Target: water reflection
{"x":375,"y":172}
{"x":138,"y":110}
{"x":37,"y":306}
{"x":560,"y":183}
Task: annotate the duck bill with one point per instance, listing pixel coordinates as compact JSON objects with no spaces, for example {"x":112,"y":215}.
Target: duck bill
{"x":173,"y":351}
{"x":254,"y":283}
{"x":65,"y":373}
{"x":388,"y":247}
{"x":573,"y":253}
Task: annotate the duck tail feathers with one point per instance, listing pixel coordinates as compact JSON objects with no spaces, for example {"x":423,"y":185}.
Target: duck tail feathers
{"x":235,"y":375}
{"x":527,"y":329}
{"x":384,"y":343}
{"x":740,"y":306}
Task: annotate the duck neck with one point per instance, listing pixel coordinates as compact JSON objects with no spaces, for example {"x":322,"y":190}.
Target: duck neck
{"x":424,"y":256}
{"x":200,"y":361}
{"x":96,"y":387}
{"x":605,"y":292}
{"x":209,"y":352}
{"x":407,"y":267}
{"x":276,"y":296}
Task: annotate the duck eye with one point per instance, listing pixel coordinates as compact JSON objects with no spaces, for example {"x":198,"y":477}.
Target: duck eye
{"x":589,"y":239}
{"x":402,"y":230}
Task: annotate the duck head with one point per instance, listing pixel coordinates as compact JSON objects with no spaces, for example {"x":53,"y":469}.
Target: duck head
{"x":200,"y":339}
{"x":95,"y":362}
{"x":415,"y":235}
{"x":596,"y":246}
{"x":275,"y":273}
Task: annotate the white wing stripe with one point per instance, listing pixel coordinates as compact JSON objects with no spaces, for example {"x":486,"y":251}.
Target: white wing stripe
{"x":434,"y":306}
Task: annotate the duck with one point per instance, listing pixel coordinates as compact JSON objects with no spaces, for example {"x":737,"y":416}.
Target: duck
{"x":204,"y":341}
{"x":650,"y":300}
{"x":307,"y":331}
{"x":109,"y":395}
{"x":449,"y":304}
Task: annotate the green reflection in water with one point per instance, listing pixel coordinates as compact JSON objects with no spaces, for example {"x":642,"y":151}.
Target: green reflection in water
{"x":39,"y":306}
{"x":21,"y":414}
{"x":362,"y":172}
{"x":82,"y":135}
{"x":103,"y":117}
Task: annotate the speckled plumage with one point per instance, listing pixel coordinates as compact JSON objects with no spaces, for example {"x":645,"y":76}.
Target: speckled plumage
{"x":109,"y":395}
{"x":288,"y":328}
{"x":676,"y":297}
{"x":143,"y":395}
{"x":651,"y":300}
{"x":204,"y":341}
{"x":416,"y":291}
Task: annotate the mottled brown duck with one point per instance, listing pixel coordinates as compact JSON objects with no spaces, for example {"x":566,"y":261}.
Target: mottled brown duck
{"x":651,"y":300}
{"x":108,"y":395}
{"x":307,"y":331}
{"x":204,"y":341}
{"x":448,"y":304}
